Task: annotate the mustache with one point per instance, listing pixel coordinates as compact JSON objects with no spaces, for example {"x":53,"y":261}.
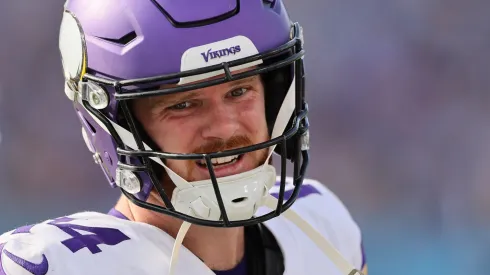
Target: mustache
{"x":220,"y":145}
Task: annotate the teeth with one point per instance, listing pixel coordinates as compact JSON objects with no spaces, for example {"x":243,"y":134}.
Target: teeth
{"x":219,"y":161}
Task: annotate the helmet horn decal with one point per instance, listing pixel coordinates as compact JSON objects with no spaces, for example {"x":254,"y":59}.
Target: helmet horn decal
{"x":73,"y":48}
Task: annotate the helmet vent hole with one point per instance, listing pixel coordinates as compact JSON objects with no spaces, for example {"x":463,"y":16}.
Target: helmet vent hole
{"x":124,"y":40}
{"x":92,"y":128}
{"x":269,"y":3}
{"x":238,"y":200}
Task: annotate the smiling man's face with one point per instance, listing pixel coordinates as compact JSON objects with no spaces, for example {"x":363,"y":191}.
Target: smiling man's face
{"x":216,"y":118}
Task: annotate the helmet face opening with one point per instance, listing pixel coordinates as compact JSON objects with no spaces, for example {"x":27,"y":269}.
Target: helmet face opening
{"x":138,"y":164}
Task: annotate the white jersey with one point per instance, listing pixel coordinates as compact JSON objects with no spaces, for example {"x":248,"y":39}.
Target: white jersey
{"x":92,"y":243}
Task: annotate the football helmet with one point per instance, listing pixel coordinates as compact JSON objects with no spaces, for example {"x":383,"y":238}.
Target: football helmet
{"x":117,"y":51}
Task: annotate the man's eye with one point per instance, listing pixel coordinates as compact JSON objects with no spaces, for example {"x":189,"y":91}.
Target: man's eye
{"x":238,"y":92}
{"x":180,"y":106}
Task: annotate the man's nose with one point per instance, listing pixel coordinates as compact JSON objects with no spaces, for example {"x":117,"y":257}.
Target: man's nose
{"x":221,"y":123}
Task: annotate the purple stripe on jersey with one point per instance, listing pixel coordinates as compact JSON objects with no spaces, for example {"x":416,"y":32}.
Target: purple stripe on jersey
{"x":115,"y":213}
{"x":2,"y":271}
{"x":304,"y":192}
{"x":240,"y":269}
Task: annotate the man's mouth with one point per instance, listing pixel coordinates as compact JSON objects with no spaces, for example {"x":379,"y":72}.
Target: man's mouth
{"x":219,"y":162}
{"x":225,"y":166}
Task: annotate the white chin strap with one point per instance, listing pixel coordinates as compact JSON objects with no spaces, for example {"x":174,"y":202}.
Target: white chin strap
{"x":178,"y":243}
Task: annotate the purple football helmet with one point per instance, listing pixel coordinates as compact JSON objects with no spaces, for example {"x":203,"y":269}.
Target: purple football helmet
{"x":117,"y":51}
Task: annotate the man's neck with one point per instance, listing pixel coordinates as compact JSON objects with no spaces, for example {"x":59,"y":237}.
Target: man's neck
{"x":218,"y":248}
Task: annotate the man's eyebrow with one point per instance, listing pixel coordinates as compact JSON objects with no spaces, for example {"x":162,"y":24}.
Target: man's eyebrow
{"x":176,"y":98}
{"x":173,"y":98}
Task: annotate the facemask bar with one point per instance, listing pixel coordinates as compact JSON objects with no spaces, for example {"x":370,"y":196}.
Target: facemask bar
{"x":300,"y":127}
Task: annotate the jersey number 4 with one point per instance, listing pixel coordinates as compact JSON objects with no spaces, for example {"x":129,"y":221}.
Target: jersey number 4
{"x":91,"y":241}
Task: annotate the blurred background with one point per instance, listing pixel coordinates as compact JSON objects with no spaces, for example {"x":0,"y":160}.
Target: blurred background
{"x":399,"y":98}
